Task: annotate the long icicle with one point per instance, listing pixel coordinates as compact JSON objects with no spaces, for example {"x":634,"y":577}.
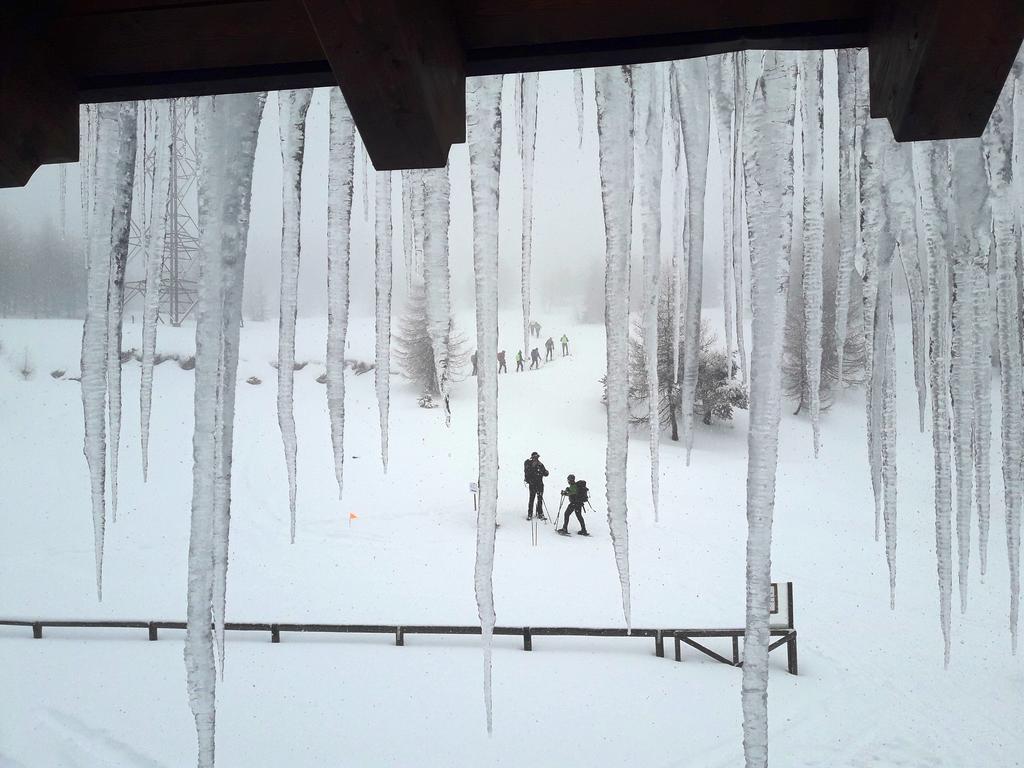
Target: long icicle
{"x":846,"y":67}
{"x":812,"y":117}
{"x":678,"y":244}
{"x":886,"y":415}
{"x":483,"y":129}
{"x":227,"y":128}
{"x":437,"y":278}
{"x":982,"y":441}
{"x":932,"y":178}
{"x":339,"y":220}
{"x":649,"y":92}
{"x":163,"y":126}
{"x":768,"y":161}
{"x":739,"y":214}
{"x":691,"y":84}
{"x":529,"y":83}
{"x":614,"y":91}
{"x":721,"y":81}
{"x":577,"y":81}
{"x":382,"y":273}
{"x":120,"y":230}
{"x":292,"y":107}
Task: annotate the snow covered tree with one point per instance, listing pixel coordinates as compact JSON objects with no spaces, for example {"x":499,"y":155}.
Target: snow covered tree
{"x":414,"y":352}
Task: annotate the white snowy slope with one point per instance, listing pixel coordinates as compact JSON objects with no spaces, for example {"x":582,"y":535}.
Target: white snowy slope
{"x":614,"y":95}
{"x":382,"y":274}
{"x":997,"y":140}
{"x":529,"y":83}
{"x":971,"y":220}
{"x":483,"y":133}
{"x":690,"y":81}
{"x":292,"y":108}
{"x":649,"y":94}
{"x":120,"y":227}
{"x":722,"y":86}
{"x":812,"y":122}
{"x":162,"y":138}
{"x":436,"y":218}
{"x":98,"y":245}
{"x":227,"y":128}
{"x":339,"y":221}
{"x":768,"y":164}
{"x":932,"y":177}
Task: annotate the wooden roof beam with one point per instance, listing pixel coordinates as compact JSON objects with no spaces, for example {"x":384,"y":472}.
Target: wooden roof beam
{"x":938,"y":66}
{"x":402,"y":70}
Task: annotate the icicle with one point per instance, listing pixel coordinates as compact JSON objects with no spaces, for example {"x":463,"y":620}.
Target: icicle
{"x":982,"y":329}
{"x":227,"y":127}
{"x":738,"y":211}
{"x":162,"y":135}
{"x":408,"y":248}
{"x":847,"y":86}
{"x":721,"y":81}
{"x":691,"y":84}
{"x":678,"y":235}
{"x":613,"y":86}
{"x":768,"y":166}
{"x":382,"y":369}
{"x":1001,"y":166}
{"x":932,"y":178}
{"x":120,"y":229}
{"x":649,"y":92}
{"x":483,"y":128}
{"x":417,"y":216}
{"x":106,"y":177}
{"x":339,"y":220}
{"x":292,"y":107}
{"x":812,"y":116}
{"x":577,"y":80}
{"x":529,"y":82}
{"x":887,"y":424}
{"x":363,"y":165}
{"x":437,"y":215}
{"x":971,"y":209}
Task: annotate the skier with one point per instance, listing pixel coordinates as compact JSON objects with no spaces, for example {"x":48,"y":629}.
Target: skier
{"x":533,"y":475}
{"x":502,"y":368}
{"x":473,"y":359}
{"x":549,"y":346}
{"x":519,"y":361}
{"x":534,"y":358}
{"x":535,"y":328}
{"x":565,"y":345}
{"x":578,"y":494}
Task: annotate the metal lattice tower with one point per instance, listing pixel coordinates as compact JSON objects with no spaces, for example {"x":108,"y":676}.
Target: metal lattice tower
{"x":179,"y":263}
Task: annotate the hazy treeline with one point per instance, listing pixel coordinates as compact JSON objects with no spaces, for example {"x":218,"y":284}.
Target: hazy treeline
{"x":41,"y":275}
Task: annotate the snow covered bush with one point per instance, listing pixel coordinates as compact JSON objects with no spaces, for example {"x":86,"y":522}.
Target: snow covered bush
{"x":414,"y":352}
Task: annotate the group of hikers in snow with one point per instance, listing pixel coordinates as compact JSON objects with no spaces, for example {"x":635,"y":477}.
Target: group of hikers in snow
{"x":576,"y":493}
{"x":549,"y":346}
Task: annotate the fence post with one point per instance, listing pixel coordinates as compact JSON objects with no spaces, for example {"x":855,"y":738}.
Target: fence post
{"x":37,"y":630}
{"x":399,"y":636}
{"x":735,"y":650}
{"x":659,"y":644}
{"x":527,"y":639}
{"x":679,"y":648}
{"x":791,"y":653}
{"x":789,"y":604}
{"x":152,"y":631}
{"x":275,"y":633}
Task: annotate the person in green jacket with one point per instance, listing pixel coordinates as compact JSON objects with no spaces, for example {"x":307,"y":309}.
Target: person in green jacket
{"x":577,"y":493}
{"x":519,"y":361}
{"x":565,"y":345}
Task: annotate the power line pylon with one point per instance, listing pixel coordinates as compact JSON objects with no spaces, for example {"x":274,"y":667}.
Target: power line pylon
{"x":179,"y":262}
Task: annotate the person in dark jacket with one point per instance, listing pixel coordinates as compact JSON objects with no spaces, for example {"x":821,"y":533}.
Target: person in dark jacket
{"x":534,"y":358}
{"x":549,"y":345}
{"x":502,"y":368}
{"x":577,"y":494}
{"x":534,"y":473}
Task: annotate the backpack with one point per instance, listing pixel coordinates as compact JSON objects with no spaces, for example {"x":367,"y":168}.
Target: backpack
{"x":582,"y":492}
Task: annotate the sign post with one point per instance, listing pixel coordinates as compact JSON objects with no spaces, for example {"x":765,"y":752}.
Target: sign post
{"x":474,"y":489}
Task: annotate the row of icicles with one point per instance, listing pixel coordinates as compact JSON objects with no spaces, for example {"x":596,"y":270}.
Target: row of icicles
{"x":962,"y":197}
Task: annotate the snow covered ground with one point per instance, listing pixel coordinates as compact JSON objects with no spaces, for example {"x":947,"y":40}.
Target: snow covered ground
{"x":871,"y":689}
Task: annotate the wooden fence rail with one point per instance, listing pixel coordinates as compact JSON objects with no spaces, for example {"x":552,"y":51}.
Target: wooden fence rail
{"x":682,"y":636}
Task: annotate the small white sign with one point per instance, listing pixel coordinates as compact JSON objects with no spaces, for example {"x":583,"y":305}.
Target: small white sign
{"x":474,"y":488}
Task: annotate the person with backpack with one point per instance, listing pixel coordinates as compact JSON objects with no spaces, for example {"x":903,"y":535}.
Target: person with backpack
{"x":534,"y":473}
{"x":534,"y":358}
{"x":578,"y":494}
{"x":502,"y":368}
{"x":549,"y":346}
{"x":565,"y":345}
{"x":519,"y":361}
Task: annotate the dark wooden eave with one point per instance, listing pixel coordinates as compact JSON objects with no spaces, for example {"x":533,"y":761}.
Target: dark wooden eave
{"x":936,"y":65}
